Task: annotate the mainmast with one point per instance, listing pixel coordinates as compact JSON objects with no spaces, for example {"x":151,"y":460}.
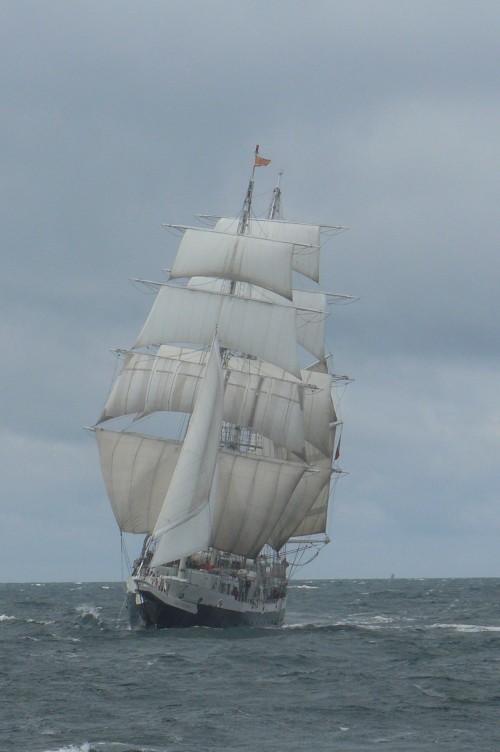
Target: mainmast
{"x":275,"y":209}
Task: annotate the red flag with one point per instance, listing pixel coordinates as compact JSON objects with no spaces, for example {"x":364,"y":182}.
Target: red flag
{"x":261,"y":162}
{"x":337,"y":453}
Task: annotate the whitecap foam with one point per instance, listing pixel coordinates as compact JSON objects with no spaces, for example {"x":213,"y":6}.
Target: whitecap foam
{"x":4,"y":617}
{"x":465,"y":627}
{"x":85,"y":747}
{"x":430,"y":692}
{"x":303,"y":587}
{"x":88,"y":609}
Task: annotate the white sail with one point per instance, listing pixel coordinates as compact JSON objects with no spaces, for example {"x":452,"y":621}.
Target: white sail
{"x":316,"y":519}
{"x":184,"y":523}
{"x":237,"y":257}
{"x":137,"y":471}
{"x":319,"y":412}
{"x":305,"y":261}
{"x":270,"y":407}
{"x":149,"y":383}
{"x":308,"y":494}
{"x":310,"y":308}
{"x":311,"y":316}
{"x":184,"y":315}
{"x":252,"y":495}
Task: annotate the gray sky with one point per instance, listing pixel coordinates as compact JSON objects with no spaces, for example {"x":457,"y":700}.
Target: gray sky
{"x":118,"y":116}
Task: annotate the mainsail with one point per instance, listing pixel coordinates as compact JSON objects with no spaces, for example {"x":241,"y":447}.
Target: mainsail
{"x":226,"y":349}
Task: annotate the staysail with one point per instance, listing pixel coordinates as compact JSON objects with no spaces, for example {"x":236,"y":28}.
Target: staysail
{"x":184,"y":523}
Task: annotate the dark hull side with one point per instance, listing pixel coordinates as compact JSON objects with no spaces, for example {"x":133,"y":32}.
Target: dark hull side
{"x":154,"y":614}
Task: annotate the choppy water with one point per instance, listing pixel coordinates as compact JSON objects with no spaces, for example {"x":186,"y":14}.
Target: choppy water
{"x":359,"y":665}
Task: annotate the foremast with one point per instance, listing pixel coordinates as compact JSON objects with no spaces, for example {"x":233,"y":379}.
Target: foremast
{"x":232,"y":436}
{"x":244,"y":224}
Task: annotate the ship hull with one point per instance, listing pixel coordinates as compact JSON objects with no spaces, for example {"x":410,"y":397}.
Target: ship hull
{"x":149,"y":608}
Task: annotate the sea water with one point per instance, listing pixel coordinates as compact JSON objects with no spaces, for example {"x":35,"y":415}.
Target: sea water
{"x":359,"y":665}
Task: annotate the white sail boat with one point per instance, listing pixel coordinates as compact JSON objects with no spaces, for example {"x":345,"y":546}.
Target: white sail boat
{"x":231,"y":506}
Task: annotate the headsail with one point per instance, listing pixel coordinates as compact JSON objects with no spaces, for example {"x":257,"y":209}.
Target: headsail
{"x":184,"y":523}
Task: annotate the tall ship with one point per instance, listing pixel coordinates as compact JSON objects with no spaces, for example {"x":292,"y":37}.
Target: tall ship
{"x":219,"y":439}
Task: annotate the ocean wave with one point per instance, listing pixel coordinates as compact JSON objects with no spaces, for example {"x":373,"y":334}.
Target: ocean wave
{"x":73,"y":748}
{"x":465,"y":627}
{"x":105,"y":747}
{"x":376,"y":620}
{"x":88,"y":609}
{"x":90,"y":615}
{"x":303,"y":587}
{"x":4,"y":617}
{"x":337,"y":626}
{"x":63,"y":638}
{"x":430,"y":692}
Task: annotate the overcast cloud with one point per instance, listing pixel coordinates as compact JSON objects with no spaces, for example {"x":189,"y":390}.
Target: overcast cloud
{"x":118,"y":116}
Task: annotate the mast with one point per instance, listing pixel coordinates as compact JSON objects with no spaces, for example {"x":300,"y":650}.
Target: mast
{"x":231,"y":436}
{"x":275,"y":208}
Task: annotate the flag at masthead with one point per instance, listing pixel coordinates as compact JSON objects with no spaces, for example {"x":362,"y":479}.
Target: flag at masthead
{"x":245,"y":214}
